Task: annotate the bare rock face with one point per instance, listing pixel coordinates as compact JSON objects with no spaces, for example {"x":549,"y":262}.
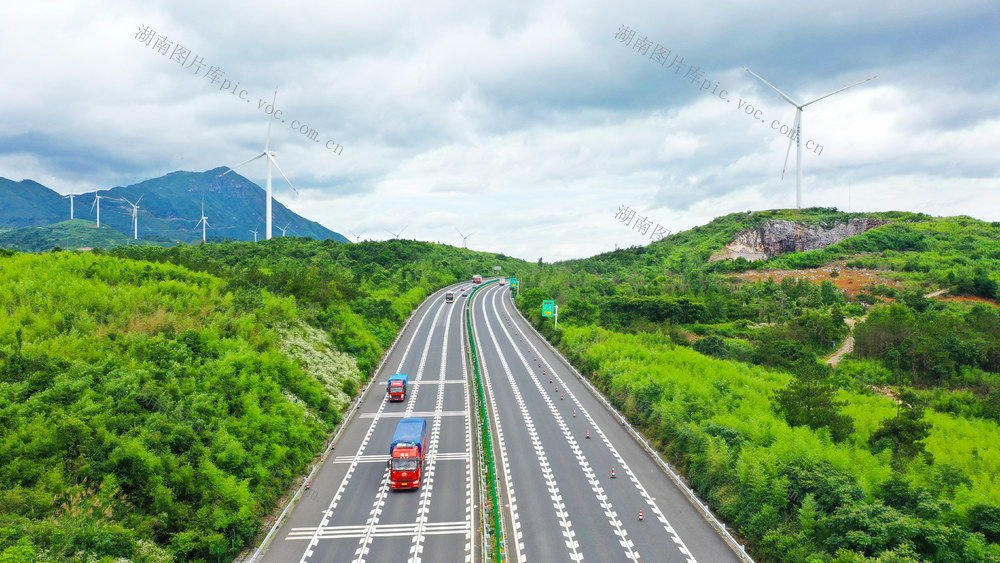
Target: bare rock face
{"x":777,"y":237}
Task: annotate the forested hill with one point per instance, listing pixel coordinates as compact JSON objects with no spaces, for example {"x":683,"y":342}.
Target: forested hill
{"x":157,"y":402}
{"x":836,"y":404}
{"x":169,"y":209}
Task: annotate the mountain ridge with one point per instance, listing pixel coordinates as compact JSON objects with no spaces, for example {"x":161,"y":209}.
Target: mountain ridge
{"x":170,"y":208}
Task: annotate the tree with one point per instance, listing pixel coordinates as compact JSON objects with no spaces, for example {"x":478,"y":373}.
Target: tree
{"x":809,"y":400}
{"x":711,"y":345}
{"x":904,"y":432}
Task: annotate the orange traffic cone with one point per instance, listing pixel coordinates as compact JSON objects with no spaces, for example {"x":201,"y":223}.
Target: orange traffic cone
{"x":574,"y":413}
{"x":560,"y":396}
{"x":307,"y":485}
{"x":612,"y":472}
{"x":588,"y":434}
{"x":640,"y":514}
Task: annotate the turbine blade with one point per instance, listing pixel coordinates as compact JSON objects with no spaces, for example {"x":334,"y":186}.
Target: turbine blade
{"x":841,"y":90}
{"x":795,"y":127}
{"x":275,"y":163}
{"x":267,"y":143}
{"x":780,"y":93}
{"x":241,"y":164}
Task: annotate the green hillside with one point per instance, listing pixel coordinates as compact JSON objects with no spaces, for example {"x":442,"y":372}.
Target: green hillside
{"x":155,"y":412}
{"x":892,"y":455}
{"x":69,"y":235}
{"x":125,"y":377}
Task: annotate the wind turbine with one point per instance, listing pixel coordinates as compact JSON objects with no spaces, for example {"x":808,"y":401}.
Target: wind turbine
{"x":70,"y":196}
{"x":270,"y":160}
{"x":464,"y":238}
{"x":798,"y":131}
{"x":135,"y":215}
{"x":396,"y":235}
{"x":283,"y":229}
{"x":254,"y":231}
{"x":204,"y":220}
{"x":357,"y":236}
{"x":97,"y":202}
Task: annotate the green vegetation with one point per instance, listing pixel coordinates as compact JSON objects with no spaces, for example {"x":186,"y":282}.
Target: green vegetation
{"x":70,"y":235}
{"x":157,"y":402}
{"x":145,"y":412}
{"x":360,"y":293}
{"x":808,"y":462}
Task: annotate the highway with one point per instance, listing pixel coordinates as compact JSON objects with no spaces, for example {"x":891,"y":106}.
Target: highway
{"x":560,"y":501}
{"x":349,"y":513}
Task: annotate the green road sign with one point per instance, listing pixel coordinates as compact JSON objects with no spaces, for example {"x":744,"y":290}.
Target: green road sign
{"x":548,"y":308}
{"x":513,"y":283}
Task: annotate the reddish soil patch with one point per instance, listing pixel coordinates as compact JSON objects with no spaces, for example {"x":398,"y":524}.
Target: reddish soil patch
{"x":851,"y":281}
{"x":970,"y":298}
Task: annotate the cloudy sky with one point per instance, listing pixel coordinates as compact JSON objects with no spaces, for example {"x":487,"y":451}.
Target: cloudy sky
{"x":529,"y":124}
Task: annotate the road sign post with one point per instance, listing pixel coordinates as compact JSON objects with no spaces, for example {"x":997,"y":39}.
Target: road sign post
{"x":550,"y":309}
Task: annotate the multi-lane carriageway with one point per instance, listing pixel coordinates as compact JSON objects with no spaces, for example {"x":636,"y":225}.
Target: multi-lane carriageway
{"x":560,"y":501}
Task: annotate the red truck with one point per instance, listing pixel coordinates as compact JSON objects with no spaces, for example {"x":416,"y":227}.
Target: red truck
{"x":397,"y":387}
{"x":406,"y":453}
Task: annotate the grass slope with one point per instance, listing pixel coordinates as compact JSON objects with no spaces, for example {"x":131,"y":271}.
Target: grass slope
{"x":69,"y":235}
{"x":704,"y":362}
{"x":147,"y":412}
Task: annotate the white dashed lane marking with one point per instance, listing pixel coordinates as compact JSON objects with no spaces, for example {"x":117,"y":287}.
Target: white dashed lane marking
{"x":549,"y":371}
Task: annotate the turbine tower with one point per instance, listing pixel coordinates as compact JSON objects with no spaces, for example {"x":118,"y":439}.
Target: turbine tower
{"x":254,"y":231}
{"x":97,"y":202}
{"x":797,"y":126}
{"x":283,"y":229}
{"x":270,"y":160}
{"x":204,"y":220}
{"x":357,"y":236}
{"x":135,"y":216}
{"x":464,"y":238}
{"x":70,"y":196}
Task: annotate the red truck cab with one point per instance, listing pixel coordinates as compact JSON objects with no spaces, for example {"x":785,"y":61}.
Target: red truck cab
{"x":397,"y":387}
{"x":406,"y":453}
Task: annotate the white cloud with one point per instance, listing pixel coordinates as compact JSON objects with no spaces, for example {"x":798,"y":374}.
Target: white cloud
{"x":526,"y":123}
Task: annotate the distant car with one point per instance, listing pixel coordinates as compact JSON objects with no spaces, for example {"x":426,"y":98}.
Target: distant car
{"x":463,"y":295}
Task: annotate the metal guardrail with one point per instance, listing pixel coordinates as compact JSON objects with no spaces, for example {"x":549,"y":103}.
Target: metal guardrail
{"x":692,"y":496}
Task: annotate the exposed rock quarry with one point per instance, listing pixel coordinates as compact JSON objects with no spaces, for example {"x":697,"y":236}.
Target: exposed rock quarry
{"x":777,"y":237}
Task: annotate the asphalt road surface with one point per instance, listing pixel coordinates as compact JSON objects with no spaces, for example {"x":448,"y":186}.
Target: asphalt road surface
{"x":349,"y":513}
{"x":560,"y":500}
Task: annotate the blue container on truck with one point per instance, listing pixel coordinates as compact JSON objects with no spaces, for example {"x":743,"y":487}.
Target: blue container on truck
{"x":406,"y":453}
